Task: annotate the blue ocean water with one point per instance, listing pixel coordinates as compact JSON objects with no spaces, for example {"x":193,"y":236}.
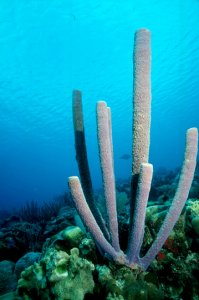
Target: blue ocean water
{"x":48,"y":48}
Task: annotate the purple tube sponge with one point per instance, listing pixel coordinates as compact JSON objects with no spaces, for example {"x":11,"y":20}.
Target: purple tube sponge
{"x":106,"y":237}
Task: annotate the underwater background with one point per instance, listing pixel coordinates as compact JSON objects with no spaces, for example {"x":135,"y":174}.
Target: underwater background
{"x":50,"y":47}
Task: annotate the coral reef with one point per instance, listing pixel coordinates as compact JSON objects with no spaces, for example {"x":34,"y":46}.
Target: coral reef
{"x":122,"y":283}
{"x":19,"y":236}
{"x":65,"y":272}
{"x":57,"y":276}
{"x":25,"y":261}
